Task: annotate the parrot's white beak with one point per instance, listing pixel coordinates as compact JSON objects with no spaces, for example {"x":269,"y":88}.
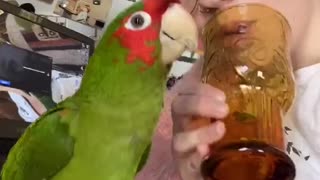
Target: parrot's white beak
{"x":178,"y":33}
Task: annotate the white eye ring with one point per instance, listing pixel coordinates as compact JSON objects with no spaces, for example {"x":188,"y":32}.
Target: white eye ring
{"x":138,"y":21}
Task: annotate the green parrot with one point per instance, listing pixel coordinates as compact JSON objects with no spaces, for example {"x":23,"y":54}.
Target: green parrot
{"x":103,"y":131}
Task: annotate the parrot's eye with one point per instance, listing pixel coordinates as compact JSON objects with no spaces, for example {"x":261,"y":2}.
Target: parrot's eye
{"x":138,"y":21}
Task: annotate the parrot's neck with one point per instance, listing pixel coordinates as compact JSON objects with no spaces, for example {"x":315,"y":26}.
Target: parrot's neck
{"x":110,"y":79}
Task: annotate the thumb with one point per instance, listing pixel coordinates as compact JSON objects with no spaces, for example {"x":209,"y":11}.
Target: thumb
{"x":187,"y":141}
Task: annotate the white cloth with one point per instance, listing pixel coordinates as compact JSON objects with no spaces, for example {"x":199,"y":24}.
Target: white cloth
{"x":302,"y":124}
{"x":81,"y":17}
{"x":15,"y":33}
{"x":25,"y":110}
{"x":64,"y":85}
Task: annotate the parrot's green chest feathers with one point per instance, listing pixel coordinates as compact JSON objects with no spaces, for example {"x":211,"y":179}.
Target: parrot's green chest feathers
{"x":118,"y":113}
{"x":110,"y":137}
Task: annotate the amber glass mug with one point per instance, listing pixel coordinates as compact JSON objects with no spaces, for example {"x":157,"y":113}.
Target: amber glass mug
{"x":247,"y":56}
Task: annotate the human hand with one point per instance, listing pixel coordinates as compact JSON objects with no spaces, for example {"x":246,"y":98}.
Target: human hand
{"x":190,"y":139}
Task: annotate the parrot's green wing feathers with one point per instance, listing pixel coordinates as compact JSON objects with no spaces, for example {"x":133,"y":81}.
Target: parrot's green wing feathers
{"x":143,"y":159}
{"x":44,"y":149}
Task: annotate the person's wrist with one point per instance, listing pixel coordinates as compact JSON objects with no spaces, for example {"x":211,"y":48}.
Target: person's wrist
{"x":175,"y":175}
{"x":188,"y":173}
{"x":174,"y":172}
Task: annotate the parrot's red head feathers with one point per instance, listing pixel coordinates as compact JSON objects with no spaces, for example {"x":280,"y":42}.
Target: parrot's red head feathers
{"x":158,"y":6}
{"x":139,"y":31}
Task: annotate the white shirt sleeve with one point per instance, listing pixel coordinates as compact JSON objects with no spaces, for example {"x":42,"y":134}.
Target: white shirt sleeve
{"x":308,"y":105}
{"x":302,"y":124}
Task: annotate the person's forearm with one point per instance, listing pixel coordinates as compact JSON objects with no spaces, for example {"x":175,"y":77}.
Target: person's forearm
{"x":171,"y":172}
{"x":160,"y":168}
{"x":161,"y":164}
{"x":175,"y":176}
